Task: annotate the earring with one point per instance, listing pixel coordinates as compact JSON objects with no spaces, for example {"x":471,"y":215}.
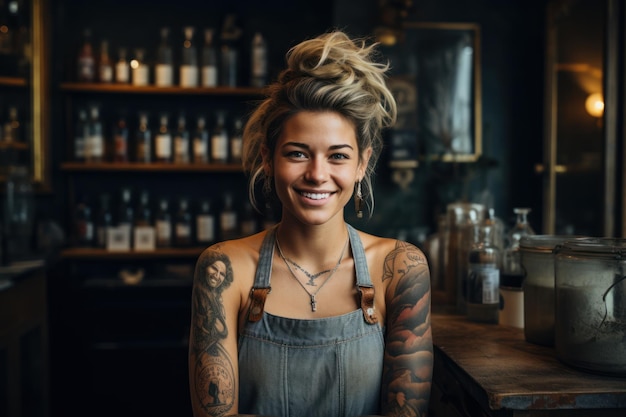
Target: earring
{"x":358,"y":200}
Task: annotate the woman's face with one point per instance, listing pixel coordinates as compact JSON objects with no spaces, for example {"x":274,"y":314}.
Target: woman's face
{"x":216,"y":273}
{"x":315,"y":166}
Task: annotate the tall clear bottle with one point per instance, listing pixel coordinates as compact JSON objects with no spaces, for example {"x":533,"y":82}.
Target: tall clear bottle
{"x":182,"y":224}
{"x":126,"y":215}
{"x":189,"y":61}
{"x":258,"y":70}
{"x":483,"y":280}
{"x":228,"y":219}
{"x":201,"y":142}
{"x":81,"y":132}
{"x":163,"y":224}
{"x":163,"y":142}
{"x":140,"y":69}
{"x":219,"y":140}
{"x":164,"y":68}
{"x":95,"y":148}
{"x":236,"y":142}
{"x":86,"y":59}
{"x":104,"y":220}
{"x":205,"y":224}
{"x":209,"y":59}
{"x":143,"y":140}
{"x":181,"y":142}
{"x":105,"y":66}
{"x":122,"y":67}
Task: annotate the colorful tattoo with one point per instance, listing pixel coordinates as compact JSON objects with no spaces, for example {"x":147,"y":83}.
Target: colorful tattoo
{"x":407,"y":375}
{"x":214,"y":372}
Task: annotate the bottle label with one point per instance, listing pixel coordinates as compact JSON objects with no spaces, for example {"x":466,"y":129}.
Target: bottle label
{"x":96,"y":146}
{"x":164,"y":75}
{"x":140,"y":75}
{"x":188,"y":76}
{"x":209,"y":76}
{"x":122,"y":72}
{"x":106,"y":74}
{"x":228,"y":221}
{"x":163,"y":148}
{"x":183,"y":231}
{"x":181,"y":149}
{"x":219,"y":147}
{"x":199,"y":150}
{"x":259,"y":62}
{"x":236,"y":144}
{"x":163,"y":231}
{"x":483,"y":284}
{"x":86,"y":68}
{"x":205,"y":228}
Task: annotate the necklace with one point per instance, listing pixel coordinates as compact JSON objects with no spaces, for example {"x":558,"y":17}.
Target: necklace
{"x":312,"y":277}
{"x":332,"y":271}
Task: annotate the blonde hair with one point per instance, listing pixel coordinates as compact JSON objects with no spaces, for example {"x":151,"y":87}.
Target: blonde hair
{"x":328,"y":73}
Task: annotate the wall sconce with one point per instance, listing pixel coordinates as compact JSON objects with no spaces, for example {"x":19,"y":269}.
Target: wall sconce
{"x":595,"y":104}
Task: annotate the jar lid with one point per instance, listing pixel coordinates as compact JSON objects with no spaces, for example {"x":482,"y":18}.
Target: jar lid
{"x":614,"y":248}
{"x":543,"y":243}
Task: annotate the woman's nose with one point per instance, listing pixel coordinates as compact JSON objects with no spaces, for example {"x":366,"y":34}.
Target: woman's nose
{"x":317,"y":170}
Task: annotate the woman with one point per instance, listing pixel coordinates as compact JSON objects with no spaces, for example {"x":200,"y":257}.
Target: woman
{"x":311,"y":317}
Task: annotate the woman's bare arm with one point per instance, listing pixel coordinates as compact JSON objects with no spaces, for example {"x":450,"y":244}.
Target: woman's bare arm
{"x":408,"y":362}
{"x":213,"y":372}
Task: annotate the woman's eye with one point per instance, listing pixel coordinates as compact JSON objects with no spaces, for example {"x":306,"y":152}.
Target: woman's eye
{"x":296,"y":154}
{"x":339,"y":156}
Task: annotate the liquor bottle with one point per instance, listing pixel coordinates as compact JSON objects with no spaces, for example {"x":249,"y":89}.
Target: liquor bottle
{"x":143,"y":229}
{"x":483,"y":280}
{"x":181,"y":142}
{"x":94,"y":145}
{"x":219,"y":140}
{"x":228,"y":219}
{"x":163,"y":225}
{"x":12,"y":129}
{"x":201,"y":142}
{"x":143,"y":140}
{"x":164,"y":69}
{"x":86,"y":59}
{"x":104,"y":220}
{"x":236,"y":142}
{"x":81,"y":132}
{"x":248,"y":224}
{"x":205,"y":224}
{"x":122,"y":68}
{"x":120,"y":141}
{"x":143,"y":216}
{"x":258,"y":75}
{"x":182,"y":224}
{"x":229,"y":52}
{"x":209,"y":60}
{"x":105,"y":66}
{"x":83,"y":224}
{"x":163,"y":142}
{"x":140,"y":70}
{"x":189,"y":62}
{"x":126,"y":216}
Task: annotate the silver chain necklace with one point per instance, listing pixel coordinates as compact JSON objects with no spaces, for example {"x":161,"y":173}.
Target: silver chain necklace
{"x":312,"y":277}
{"x":332,"y":271}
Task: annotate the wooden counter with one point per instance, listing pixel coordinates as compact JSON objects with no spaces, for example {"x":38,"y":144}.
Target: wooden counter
{"x":490,"y":370}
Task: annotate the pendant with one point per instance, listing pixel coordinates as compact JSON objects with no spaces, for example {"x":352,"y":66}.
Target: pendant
{"x":313,"y":304}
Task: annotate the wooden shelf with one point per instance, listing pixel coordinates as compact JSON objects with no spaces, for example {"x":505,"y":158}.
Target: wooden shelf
{"x":103,"y":254}
{"x":148,"y":167}
{"x":22,"y":146}
{"x":150,"y":89}
{"x":13,"y":81}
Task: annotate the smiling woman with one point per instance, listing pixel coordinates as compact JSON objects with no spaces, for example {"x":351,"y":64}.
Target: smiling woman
{"x":286,"y":332}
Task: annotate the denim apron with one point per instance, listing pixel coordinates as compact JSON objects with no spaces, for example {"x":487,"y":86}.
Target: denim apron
{"x":305,"y":368}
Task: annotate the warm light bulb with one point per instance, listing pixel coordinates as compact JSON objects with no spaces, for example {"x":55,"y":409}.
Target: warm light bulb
{"x":595,"y":104}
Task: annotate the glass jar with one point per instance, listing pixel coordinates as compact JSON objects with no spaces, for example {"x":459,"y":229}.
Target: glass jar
{"x":590,"y":313}
{"x":537,"y":258}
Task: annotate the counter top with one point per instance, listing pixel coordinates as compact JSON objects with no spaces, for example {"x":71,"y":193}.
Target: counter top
{"x":15,"y":271}
{"x":500,"y":370}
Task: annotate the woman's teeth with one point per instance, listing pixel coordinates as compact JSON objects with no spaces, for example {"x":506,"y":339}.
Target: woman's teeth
{"x":316,"y":196}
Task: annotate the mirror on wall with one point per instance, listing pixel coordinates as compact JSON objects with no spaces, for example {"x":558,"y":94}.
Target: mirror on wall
{"x":23,"y":90}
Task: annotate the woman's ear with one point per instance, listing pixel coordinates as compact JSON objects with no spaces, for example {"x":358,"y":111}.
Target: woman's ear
{"x":365,"y":159}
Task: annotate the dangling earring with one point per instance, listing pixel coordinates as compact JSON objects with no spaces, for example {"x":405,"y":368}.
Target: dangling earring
{"x":358,"y":200}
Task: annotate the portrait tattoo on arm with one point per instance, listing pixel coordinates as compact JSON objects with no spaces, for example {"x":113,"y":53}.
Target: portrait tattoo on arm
{"x":407,"y":373}
{"x":214,"y":378}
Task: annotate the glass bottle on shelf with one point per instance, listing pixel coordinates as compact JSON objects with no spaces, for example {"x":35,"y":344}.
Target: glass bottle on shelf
{"x":122,"y":68}
{"x":483,"y":280}
{"x":143,"y":140}
{"x":189,"y":62}
{"x":140,"y":70}
{"x":209,"y":60}
{"x":12,"y":127}
{"x":511,"y":263}
{"x":83,"y":224}
{"x":205,"y":224}
{"x":86,"y":59}
{"x":143,"y":230}
{"x":94,"y":145}
{"x":228,"y":219}
{"x":126,"y":216}
{"x":219,"y":140}
{"x":229,"y":54}
{"x":120,"y":141}
{"x":163,"y":142}
{"x":104,"y":220}
{"x":164,"y":68}
{"x":182,"y":224}
{"x":258,"y":75}
{"x":105,"y":66}
{"x":201,"y":142}
{"x":181,"y":142}
{"x":81,"y":132}
{"x":163,"y":224}
{"x":236,"y":142}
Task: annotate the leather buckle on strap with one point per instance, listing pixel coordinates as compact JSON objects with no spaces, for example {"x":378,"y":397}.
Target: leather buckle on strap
{"x":367,"y":304}
{"x":257,"y":303}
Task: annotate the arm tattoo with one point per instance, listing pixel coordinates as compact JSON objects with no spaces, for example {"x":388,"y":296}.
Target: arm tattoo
{"x":407,"y":373}
{"x":214,"y":371}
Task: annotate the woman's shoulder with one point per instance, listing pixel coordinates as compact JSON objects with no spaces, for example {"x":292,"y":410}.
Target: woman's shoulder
{"x":385,"y":246}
